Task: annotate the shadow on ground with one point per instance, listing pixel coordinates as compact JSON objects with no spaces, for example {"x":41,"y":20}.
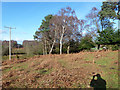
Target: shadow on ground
{"x":99,"y":83}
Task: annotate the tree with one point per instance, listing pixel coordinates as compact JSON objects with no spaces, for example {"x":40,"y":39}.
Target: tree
{"x":108,"y":37}
{"x":67,"y":25}
{"x":109,"y":10}
{"x":43,"y":34}
{"x":74,"y":46}
{"x":93,"y":21}
{"x":83,"y":26}
{"x":53,"y":31}
{"x":86,"y":43}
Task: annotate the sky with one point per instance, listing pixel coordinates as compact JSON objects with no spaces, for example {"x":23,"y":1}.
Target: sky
{"x":53,"y":0}
{"x":27,"y":16}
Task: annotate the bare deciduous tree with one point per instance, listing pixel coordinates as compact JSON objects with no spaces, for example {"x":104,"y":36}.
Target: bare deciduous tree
{"x":66,"y":23}
{"x":93,"y":22}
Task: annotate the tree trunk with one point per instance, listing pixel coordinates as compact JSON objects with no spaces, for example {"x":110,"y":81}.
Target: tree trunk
{"x":98,"y":46}
{"x":60,"y":46}
{"x":53,"y":43}
{"x":45,"y":47}
{"x":102,"y":25}
{"x":68,"y":49}
{"x":61,"y":40}
{"x":43,"y":52}
{"x":52,"y":47}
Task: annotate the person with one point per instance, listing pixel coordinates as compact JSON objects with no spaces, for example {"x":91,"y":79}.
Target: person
{"x":99,"y":84}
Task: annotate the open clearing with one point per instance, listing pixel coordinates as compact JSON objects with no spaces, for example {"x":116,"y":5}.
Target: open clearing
{"x":61,"y":71}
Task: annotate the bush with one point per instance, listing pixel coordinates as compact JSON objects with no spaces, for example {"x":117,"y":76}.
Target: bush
{"x":115,"y":47}
{"x":86,"y":43}
{"x":56,"y":50}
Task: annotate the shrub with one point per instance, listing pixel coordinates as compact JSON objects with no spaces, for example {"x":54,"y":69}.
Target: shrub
{"x":86,"y":43}
{"x":115,"y":47}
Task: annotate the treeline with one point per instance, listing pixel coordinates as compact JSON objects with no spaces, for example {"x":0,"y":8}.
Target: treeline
{"x":32,"y":47}
{"x":65,"y":33}
{"x":5,"y":46}
{"x":28,"y":48}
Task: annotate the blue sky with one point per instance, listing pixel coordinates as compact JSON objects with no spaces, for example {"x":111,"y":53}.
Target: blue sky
{"x":27,"y":16}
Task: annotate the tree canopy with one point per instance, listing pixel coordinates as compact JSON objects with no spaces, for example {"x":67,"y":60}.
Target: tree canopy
{"x":63,"y":31}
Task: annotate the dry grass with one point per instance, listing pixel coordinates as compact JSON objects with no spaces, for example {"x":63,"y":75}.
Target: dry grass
{"x":60,"y":71}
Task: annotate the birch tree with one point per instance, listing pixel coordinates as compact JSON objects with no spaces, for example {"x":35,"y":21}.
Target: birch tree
{"x":67,"y":25}
{"x":53,"y":31}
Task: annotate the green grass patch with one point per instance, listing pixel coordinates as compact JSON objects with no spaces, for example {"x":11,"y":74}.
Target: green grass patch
{"x":43,"y":71}
{"x":111,"y":78}
{"x":6,"y":70}
{"x":88,"y":57}
{"x":107,"y":60}
{"x":110,"y":71}
{"x":103,"y":61}
{"x":63,"y":63}
{"x":20,"y":66}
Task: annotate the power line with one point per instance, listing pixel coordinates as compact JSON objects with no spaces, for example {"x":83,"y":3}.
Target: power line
{"x":9,"y":41}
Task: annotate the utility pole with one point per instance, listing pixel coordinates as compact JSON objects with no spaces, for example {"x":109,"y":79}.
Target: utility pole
{"x":10,"y":41}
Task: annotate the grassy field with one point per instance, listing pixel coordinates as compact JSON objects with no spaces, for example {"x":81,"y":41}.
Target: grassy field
{"x":61,"y":71}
